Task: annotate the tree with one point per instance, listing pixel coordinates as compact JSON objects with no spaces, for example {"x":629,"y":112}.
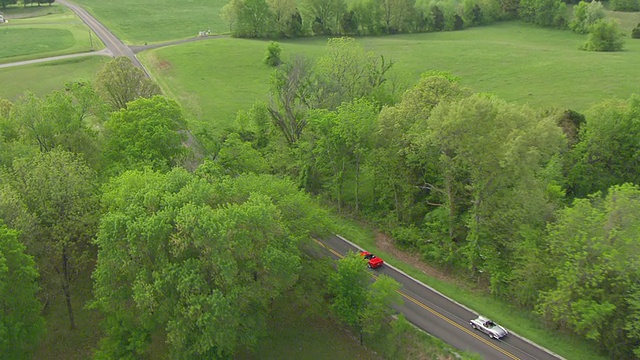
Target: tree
{"x":343,"y":140}
{"x":324,"y":14}
{"x":605,"y":35}
{"x":382,"y":295}
{"x":21,"y":325}
{"x":397,"y":15}
{"x":369,"y":16}
{"x":586,"y":14}
{"x":607,"y":151}
{"x":358,"y":303}
{"x":635,"y":33}
{"x":59,"y":191}
{"x":492,"y":152}
{"x":61,"y":119}
{"x":347,"y":72}
{"x":249,"y":18}
{"x":197,"y":257}
{"x":149,"y":132}
{"x":283,"y":12}
{"x":8,"y":2}
{"x":547,"y":13}
{"x":625,"y":5}
{"x":120,"y":82}
{"x":593,"y":256}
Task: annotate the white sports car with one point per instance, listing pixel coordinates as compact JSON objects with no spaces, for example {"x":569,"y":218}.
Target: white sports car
{"x":488,"y":327}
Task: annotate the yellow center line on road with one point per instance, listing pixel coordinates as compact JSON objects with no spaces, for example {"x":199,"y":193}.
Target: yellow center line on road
{"x":422,"y":305}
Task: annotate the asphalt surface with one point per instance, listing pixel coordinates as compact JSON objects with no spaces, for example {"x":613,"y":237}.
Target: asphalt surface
{"x":444,"y":318}
{"x":115,"y":46}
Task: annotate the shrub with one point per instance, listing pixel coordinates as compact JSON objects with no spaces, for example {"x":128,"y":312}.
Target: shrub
{"x":272,"y":57}
{"x":635,"y":33}
{"x":605,"y":35}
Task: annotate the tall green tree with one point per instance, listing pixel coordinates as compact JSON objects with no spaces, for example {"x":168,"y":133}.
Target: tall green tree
{"x":592,"y":258}
{"x":324,"y":15}
{"x":586,"y":14}
{"x":347,"y":72}
{"x":21,"y":325}
{"x":254,"y":18}
{"x":607,"y":151}
{"x":119,"y":82}
{"x":59,"y":191}
{"x":149,"y":132}
{"x":205,"y":256}
{"x":496,"y":150}
{"x":344,"y":138}
{"x":362,"y":305}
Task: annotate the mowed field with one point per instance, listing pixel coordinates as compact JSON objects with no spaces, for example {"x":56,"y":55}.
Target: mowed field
{"x":137,"y":22}
{"x":43,"y":78}
{"x":518,"y":62}
{"x":36,"y":32}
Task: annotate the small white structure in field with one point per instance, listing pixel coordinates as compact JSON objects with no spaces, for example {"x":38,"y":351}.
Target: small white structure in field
{"x":1,"y":18}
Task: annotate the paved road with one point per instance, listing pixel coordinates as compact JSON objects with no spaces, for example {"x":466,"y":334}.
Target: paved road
{"x":115,"y":46}
{"x":444,"y":318}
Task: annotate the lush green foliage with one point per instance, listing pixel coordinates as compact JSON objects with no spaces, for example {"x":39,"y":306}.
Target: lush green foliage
{"x":593,"y":255}
{"x":57,"y":192}
{"x":148,"y":133}
{"x":635,"y":33}
{"x":272,"y":57}
{"x":586,"y":14}
{"x":604,"y":35}
{"x":21,"y":325}
{"x":625,"y":5}
{"x":607,"y":153}
{"x":207,"y":252}
{"x":547,"y":13}
{"x":119,"y":82}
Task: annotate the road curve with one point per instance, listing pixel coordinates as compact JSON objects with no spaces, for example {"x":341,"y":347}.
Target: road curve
{"x":444,"y":318}
{"x":115,"y":46}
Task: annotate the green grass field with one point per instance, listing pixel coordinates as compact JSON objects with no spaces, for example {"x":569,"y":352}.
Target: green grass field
{"x":136,"y":22}
{"x":49,"y":31}
{"x":518,"y":62}
{"x":43,"y":78}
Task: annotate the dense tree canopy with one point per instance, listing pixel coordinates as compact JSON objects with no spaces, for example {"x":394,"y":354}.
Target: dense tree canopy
{"x":20,"y":322}
{"x":206,"y":257}
{"x":58,"y":190}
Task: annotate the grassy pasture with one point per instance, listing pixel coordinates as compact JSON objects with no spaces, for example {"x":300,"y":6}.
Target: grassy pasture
{"x":43,"y":78}
{"x":42,"y":32}
{"x":136,"y":22}
{"x":518,"y":62}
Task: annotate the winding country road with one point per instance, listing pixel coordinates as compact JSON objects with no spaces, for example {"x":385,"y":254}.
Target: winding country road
{"x":114,"y":47}
{"x":443,"y":317}
{"x":113,"y":44}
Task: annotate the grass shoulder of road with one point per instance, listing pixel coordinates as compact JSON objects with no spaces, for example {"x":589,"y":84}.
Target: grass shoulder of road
{"x":518,"y":62}
{"x":43,"y":78}
{"x":38,"y":32}
{"x":520,"y":321}
{"x":138,"y":22}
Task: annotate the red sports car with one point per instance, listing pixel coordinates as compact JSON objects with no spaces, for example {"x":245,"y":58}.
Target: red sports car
{"x":373,"y":261}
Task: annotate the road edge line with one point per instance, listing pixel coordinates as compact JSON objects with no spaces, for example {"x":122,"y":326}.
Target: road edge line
{"x":452,"y":300}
